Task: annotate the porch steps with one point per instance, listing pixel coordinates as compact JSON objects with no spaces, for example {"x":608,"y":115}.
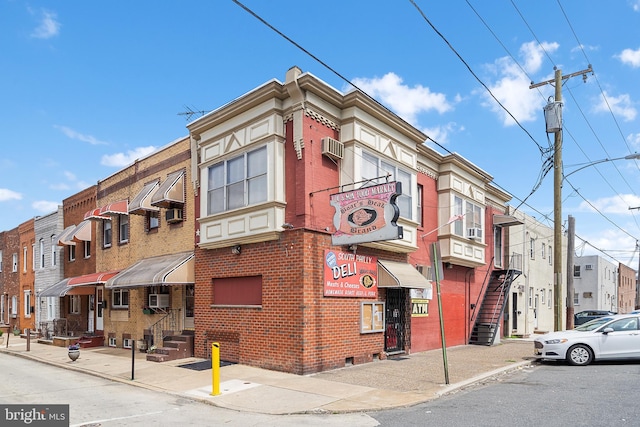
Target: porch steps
{"x":174,"y":347}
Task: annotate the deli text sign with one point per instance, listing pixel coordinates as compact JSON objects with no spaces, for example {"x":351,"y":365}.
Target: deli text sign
{"x":350,"y":275}
{"x":368,"y":214}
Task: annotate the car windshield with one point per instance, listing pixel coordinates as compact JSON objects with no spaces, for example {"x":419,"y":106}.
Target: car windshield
{"x":593,"y":324}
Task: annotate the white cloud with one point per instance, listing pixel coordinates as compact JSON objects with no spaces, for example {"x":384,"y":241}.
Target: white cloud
{"x":79,"y":136}
{"x":512,"y":86}
{"x":48,"y":26}
{"x":635,"y":5}
{"x":612,"y":240}
{"x":45,"y":206}
{"x":122,"y":159}
{"x":634,"y":140}
{"x":441,"y":133}
{"x":6,"y":195}
{"x":619,"y":204}
{"x":630,"y":57}
{"x":404,"y":100}
{"x":620,"y":105}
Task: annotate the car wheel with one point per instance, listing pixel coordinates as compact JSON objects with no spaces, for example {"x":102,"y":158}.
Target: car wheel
{"x":579,"y":355}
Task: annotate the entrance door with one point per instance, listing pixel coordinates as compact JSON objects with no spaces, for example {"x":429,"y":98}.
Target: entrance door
{"x":394,"y":321}
{"x":99,"y":308}
{"x":92,"y":299}
{"x":514,"y":311}
{"x":535,"y":312}
{"x":189,"y":300}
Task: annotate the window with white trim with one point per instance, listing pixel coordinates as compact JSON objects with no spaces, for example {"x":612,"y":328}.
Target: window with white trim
{"x":87,"y":249}
{"x":106,"y":234}
{"x":471,"y":217}
{"x":532,"y":248}
{"x":72,"y":252}
{"x":497,"y":246}
{"x":75,"y":306}
{"x":530,"y":296}
{"x":14,"y":262}
{"x":24,"y":259}
{"x":41,"y":245}
{"x":550,"y":256}
{"x":33,"y":257}
{"x":373,"y":167}
{"x":123,"y":228}
{"x":54,"y":251}
{"x":27,"y":303}
{"x":120,"y":298}
{"x":0,"y":260}
{"x":238,"y":182}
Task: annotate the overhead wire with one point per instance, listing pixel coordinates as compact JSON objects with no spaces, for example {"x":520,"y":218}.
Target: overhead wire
{"x":542,"y":150}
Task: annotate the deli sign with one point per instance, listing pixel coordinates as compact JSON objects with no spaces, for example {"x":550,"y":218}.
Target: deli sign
{"x":349,"y":275}
{"x":368,"y":214}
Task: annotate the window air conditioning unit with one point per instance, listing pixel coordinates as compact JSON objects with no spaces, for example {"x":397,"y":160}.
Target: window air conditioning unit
{"x":332,"y":148}
{"x":173,"y":215}
{"x":158,"y":300}
{"x":474,"y":233}
{"x":588,"y":266}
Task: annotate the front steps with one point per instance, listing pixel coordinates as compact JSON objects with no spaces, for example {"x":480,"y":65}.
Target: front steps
{"x":174,"y":347}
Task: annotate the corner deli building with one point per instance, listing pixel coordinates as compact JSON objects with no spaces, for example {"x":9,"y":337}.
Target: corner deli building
{"x":315,"y":211}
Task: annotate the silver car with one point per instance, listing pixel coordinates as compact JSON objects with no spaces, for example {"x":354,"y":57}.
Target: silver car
{"x":605,"y":338}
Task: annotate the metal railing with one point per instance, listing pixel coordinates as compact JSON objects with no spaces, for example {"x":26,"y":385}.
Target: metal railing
{"x":170,"y":322}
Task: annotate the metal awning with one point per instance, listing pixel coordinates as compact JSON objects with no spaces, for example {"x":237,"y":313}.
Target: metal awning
{"x":59,"y":289}
{"x":66,"y":237}
{"x":121,"y":207}
{"x":172,"y":269}
{"x":95,"y":214}
{"x":170,"y":191}
{"x":81,"y":285}
{"x":392,"y":274}
{"x":141,"y":204}
{"x":506,"y":220}
{"x":82,"y":232}
{"x":92,"y":278}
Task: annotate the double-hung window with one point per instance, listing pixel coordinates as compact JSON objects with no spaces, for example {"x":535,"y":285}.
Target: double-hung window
{"x":238,"y":182}
{"x":471,"y":217}
{"x":123,"y":223}
{"x":120,"y":298}
{"x":373,"y":167}
{"x":106,"y":234}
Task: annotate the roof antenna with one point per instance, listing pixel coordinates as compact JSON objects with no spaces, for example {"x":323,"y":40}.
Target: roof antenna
{"x":190,"y":112}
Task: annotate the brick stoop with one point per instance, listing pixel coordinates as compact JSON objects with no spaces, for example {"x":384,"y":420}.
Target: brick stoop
{"x":173,"y":347}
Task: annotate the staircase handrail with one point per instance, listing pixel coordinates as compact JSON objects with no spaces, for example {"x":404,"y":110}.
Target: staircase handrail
{"x":157,"y":328}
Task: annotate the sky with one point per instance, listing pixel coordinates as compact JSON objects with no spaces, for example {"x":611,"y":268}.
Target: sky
{"x":88,"y":87}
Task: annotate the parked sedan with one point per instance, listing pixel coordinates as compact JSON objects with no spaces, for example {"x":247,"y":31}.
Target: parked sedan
{"x":605,"y":338}
{"x":588,"y":315}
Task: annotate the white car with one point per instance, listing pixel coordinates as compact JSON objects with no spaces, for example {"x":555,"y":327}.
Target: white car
{"x":605,"y":338}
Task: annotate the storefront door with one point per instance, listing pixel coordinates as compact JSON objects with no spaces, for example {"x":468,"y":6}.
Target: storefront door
{"x":394,"y":321}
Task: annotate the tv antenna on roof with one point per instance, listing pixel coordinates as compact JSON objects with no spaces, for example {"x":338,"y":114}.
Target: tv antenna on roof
{"x":190,"y":112}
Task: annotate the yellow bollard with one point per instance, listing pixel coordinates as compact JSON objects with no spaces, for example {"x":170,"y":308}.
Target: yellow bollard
{"x":215,"y":368}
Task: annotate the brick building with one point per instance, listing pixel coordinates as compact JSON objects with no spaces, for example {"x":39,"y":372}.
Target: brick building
{"x":267,"y":168}
{"x":26,"y":277}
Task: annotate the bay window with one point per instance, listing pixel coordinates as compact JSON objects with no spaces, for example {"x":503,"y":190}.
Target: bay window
{"x":471,"y":217}
{"x":238,"y":182}
{"x":373,"y":167}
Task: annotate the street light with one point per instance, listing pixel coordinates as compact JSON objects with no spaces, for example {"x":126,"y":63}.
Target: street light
{"x":558,"y":249}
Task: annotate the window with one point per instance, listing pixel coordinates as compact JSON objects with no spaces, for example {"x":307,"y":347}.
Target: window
{"x":87,"y":249}
{"x":542,"y":295}
{"x":152,"y":220}
{"x":372,"y":167}
{"x":72,"y":252}
{"x":75,"y":305}
{"x":549,"y":298}
{"x":238,"y":182}
{"x":531,"y":296}
{"x":532,"y":248}
{"x":41,"y":245}
{"x":550,"y":257}
{"x":419,"y":202}
{"x":472,"y":218}
{"x":120,"y":298}
{"x":0,"y":261}
{"x":51,"y":308}
{"x":576,"y":298}
{"x":113,"y":342}
{"x":27,"y":304}
{"x":24,"y":259}
{"x":245,"y":291}
{"x":127,"y":343}
{"x":542,"y":247}
{"x":576,"y":271}
{"x":54,"y":248}
{"x":106,"y":234}
{"x":14,"y":262}
{"x":14,"y":306}
{"x":33,"y":257}
{"x":123,"y":223}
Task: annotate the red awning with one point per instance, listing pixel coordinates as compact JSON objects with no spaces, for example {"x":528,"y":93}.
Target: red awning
{"x":120,"y":207}
{"x":92,"y":279}
{"x":95,"y":214}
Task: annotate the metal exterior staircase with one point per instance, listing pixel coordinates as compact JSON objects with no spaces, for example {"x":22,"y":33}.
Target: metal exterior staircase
{"x":487,"y":317}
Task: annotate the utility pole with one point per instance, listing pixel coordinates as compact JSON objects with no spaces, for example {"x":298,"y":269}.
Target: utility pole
{"x":557,"y":196}
{"x":571,"y":235}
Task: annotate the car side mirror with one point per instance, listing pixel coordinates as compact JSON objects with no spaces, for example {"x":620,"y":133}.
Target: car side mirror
{"x":607,"y":330}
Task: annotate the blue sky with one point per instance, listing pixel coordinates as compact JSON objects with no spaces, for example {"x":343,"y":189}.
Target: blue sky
{"x":88,"y":87}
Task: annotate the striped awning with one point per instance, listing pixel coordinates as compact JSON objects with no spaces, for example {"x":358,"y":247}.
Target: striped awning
{"x":92,"y":278}
{"x":171,"y":191}
{"x":172,"y":269}
{"x":392,"y":274}
{"x":79,"y":285}
{"x":141,"y":204}
{"x":121,"y":207}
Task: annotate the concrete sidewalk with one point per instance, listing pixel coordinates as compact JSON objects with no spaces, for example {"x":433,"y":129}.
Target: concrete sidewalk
{"x":403,"y":381}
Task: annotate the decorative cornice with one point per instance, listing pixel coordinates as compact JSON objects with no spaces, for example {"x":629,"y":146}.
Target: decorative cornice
{"x":427,"y":172}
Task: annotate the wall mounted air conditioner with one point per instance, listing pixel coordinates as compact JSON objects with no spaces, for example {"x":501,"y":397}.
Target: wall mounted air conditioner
{"x":474,"y":233}
{"x":173,"y":215}
{"x":332,"y":148}
{"x":158,"y":300}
